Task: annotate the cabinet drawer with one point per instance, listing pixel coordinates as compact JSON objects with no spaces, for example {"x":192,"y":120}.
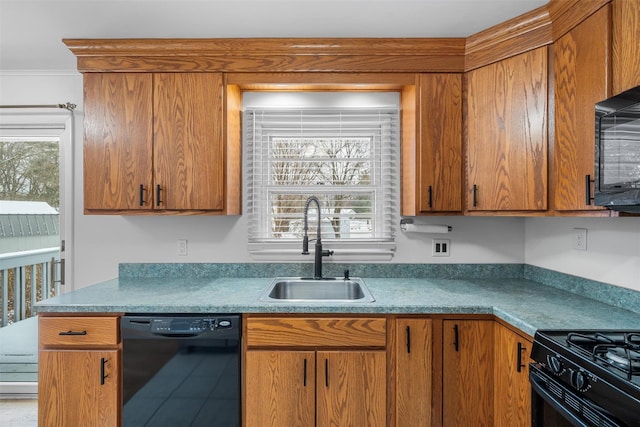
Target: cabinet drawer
{"x":78,"y":331}
{"x":314,"y":332}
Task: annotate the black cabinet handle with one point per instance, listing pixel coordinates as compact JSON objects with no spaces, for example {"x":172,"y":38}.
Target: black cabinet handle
{"x":519,"y":364}
{"x":455,"y":338}
{"x":158,"y":191}
{"x":475,"y":195}
{"x":73,"y":333}
{"x":408,"y":339}
{"x":103,"y":375}
{"x":326,"y":372}
{"x":587,"y":188}
{"x":142,"y":195}
{"x":304,"y":373}
{"x":430,"y":196}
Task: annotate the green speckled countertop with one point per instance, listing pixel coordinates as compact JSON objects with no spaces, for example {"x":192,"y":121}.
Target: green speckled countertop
{"x":526,"y":304}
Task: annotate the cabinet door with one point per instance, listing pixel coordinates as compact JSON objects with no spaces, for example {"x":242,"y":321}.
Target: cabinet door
{"x":118,"y":141}
{"x":581,"y":75}
{"x":78,"y":388}
{"x":440,"y":143}
{"x":188,"y":141}
{"x":279,"y":388}
{"x":507,"y":134}
{"x":467,"y":373}
{"x":626,"y":45}
{"x":511,"y":381}
{"x":352,"y":388}
{"x":414,"y":372}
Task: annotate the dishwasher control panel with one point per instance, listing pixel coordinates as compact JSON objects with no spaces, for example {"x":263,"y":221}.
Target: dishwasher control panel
{"x":181,"y":325}
{"x":189,"y":324}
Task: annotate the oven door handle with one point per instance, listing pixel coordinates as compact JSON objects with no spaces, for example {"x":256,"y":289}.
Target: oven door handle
{"x":536,"y":380}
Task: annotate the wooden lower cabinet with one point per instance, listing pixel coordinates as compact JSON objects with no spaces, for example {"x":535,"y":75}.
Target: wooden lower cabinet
{"x":467,"y":359}
{"x":458,"y":372}
{"x":308,"y":388}
{"x":351,"y":388}
{"x":512,"y":402}
{"x":78,"y":388}
{"x":281,"y":388}
{"x":414,"y":372}
{"x":315,"y":371}
{"x":79,"y":372}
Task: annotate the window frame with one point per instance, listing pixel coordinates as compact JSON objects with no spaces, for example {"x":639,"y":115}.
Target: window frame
{"x":377,"y":248}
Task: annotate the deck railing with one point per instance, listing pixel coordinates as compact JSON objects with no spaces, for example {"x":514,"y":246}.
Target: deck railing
{"x":25,"y":278}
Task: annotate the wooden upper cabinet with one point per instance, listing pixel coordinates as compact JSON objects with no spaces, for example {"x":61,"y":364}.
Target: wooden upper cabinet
{"x":626,"y":45}
{"x":506,"y":124}
{"x":439,"y":148}
{"x":118,"y":140}
{"x":154,"y":142}
{"x":188,"y":141}
{"x":580,"y":79}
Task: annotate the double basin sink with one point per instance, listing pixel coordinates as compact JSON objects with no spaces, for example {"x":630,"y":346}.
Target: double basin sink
{"x":330,"y":289}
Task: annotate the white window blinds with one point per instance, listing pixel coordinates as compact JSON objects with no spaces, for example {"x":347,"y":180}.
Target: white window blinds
{"x":347,"y":158}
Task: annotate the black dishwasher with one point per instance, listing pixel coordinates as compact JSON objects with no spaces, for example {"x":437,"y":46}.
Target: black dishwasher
{"x":181,"y":370}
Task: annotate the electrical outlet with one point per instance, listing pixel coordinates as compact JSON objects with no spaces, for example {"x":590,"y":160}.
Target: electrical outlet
{"x":182,"y":247}
{"x":580,"y":239}
{"x":441,"y":247}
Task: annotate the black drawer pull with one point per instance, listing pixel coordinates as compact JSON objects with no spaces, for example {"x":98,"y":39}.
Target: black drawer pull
{"x":430,"y":197}
{"x":408,"y":339}
{"x":475,"y":195}
{"x":587,"y":188}
{"x":142,"y":201}
{"x":103,"y":375}
{"x":519,"y":364}
{"x":456,"y":344}
{"x":326,"y":372}
{"x":73,"y":333}
{"x":158,"y":191}
{"x":304,"y":373}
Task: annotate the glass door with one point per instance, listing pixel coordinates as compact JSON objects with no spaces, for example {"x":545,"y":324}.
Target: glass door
{"x":32,"y":243}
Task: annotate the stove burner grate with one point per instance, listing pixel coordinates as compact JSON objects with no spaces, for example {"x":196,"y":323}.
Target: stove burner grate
{"x":620,"y":351}
{"x":624,"y":358}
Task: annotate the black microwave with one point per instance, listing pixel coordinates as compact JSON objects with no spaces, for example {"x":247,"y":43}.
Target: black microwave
{"x":617,"y":168}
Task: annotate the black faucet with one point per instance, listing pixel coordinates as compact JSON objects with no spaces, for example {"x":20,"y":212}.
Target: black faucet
{"x":319,"y":253}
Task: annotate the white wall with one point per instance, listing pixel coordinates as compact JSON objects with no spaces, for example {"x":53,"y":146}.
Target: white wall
{"x":100,"y":243}
{"x":612,"y":255}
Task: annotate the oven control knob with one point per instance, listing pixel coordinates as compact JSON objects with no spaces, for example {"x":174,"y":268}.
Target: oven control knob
{"x":555,"y":365}
{"x":579,"y":380}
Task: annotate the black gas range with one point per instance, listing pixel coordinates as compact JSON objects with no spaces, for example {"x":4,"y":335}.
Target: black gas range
{"x":586,"y":378}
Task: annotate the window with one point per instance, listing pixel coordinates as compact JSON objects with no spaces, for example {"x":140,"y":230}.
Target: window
{"x":347,"y":157}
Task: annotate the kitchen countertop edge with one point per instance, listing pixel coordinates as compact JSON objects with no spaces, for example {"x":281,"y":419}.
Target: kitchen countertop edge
{"x":522,"y":303}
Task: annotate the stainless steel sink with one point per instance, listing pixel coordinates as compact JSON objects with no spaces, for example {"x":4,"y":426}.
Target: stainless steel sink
{"x":330,"y":289}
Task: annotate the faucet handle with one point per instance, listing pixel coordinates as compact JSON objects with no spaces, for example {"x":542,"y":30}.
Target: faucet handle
{"x":346,"y":274}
